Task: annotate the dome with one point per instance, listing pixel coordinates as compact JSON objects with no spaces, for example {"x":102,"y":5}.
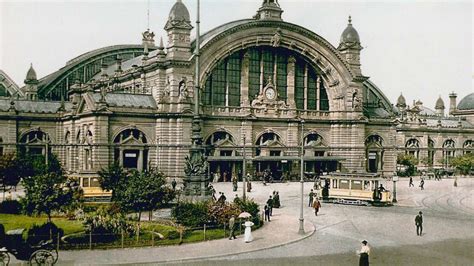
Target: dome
{"x":31,"y":75}
{"x":439,"y":104}
{"x":467,"y":103}
{"x":179,"y":12}
{"x":401,"y":101}
{"x":350,"y":35}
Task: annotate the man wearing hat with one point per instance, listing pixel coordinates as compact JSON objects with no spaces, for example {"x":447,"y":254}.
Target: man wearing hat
{"x":419,"y":223}
{"x":364,"y":254}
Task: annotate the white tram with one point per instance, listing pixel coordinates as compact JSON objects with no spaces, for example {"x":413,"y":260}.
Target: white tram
{"x":355,"y":189}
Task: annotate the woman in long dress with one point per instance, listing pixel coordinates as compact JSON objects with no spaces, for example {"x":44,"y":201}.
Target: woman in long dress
{"x":248,"y":231}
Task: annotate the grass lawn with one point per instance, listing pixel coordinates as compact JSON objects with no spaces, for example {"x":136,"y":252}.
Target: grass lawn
{"x":12,"y":221}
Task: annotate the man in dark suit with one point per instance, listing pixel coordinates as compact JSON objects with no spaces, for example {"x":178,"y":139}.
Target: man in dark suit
{"x":270,"y":205}
{"x":311,"y":196}
{"x":419,"y":223}
{"x":232,"y":228}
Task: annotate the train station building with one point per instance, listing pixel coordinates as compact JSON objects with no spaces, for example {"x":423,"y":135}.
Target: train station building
{"x":269,"y":89}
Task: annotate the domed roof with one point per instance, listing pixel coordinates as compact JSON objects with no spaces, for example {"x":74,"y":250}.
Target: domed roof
{"x":179,"y":12}
{"x":31,"y":75}
{"x":467,"y":103}
{"x":401,"y":101}
{"x":439,"y":103}
{"x":350,"y":35}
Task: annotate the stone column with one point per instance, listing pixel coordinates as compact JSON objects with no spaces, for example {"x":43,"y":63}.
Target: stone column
{"x":140,"y":160}
{"x":291,"y":82}
{"x":305,"y":104}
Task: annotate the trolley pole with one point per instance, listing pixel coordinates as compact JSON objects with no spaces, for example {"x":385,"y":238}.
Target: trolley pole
{"x":301,"y":229}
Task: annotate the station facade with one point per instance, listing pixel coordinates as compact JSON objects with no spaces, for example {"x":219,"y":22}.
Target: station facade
{"x":268,"y":87}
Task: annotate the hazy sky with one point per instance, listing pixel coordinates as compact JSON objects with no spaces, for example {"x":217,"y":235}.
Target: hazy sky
{"x":421,"y":48}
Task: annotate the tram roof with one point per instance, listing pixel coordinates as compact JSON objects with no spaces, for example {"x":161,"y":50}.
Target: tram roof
{"x":354,"y":175}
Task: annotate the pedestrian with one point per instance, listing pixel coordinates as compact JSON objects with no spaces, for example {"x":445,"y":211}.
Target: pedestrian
{"x":222,"y":198}
{"x":456,"y":181}
{"x":267,"y":213}
{"x":311,"y":196}
{"x":364,"y":253}
{"x":216,"y":177}
{"x":270,"y":205}
{"x":232,"y":227}
{"x":419,"y":223}
{"x":411,"y":182}
{"x":276,"y":200}
{"x":212,"y":190}
{"x":173,"y":184}
{"x":249,"y":186}
{"x":422,"y":183}
{"x":234,"y":183}
{"x":237,"y":200}
{"x":225,"y":176}
{"x":248,"y":231}
{"x":316,"y":206}
{"x":249,"y":177}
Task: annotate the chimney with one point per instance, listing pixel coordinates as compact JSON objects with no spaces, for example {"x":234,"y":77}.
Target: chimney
{"x":452,"y":103}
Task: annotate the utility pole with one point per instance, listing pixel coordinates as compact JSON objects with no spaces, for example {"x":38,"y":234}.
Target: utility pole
{"x":301,"y":229}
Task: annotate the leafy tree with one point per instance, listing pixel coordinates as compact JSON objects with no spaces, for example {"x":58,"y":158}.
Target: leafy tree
{"x":136,"y":191}
{"x":46,"y":193}
{"x":409,"y":161}
{"x":464,"y":163}
{"x":9,"y":175}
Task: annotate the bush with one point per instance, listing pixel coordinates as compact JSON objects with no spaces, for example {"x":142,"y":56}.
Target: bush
{"x":10,"y":207}
{"x":45,"y":231}
{"x":191,"y":214}
{"x":220,"y":213}
{"x":251,"y":207}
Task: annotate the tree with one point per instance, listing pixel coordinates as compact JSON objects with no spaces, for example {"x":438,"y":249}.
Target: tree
{"x":464,"y":163}
{"x":9,"y":175}
{"x":46,"y":193}
{"x":409,"y":161}
{"x":136,"y":191}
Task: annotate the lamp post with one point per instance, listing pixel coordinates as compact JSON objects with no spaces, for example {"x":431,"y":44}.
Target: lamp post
{"x":395,"y":179}
{"x":243,"y":167}
{"x":301,"y":229}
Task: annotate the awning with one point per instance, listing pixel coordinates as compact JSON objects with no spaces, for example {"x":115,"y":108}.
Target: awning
{"x":274,"y":158}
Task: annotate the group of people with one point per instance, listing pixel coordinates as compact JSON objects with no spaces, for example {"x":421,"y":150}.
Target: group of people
{"x":314,"y":202}
{"x":248,"y":229}
{"x":272,"y":202}
{"x":422,"y":183}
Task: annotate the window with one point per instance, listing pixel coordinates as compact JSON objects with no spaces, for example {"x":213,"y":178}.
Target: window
{"x":299,"y":85}
{"x":131,"y":151}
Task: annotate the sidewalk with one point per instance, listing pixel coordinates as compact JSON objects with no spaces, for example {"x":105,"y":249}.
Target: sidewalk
{"x":283,"y":229}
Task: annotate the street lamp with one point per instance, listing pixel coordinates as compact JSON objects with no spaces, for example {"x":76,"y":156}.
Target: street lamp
{"x":395,"y":179}
{"x":301,"y":230}
{"x":243,"y":167}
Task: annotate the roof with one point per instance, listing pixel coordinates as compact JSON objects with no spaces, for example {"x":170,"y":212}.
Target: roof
{"x":439,"y":104}
{"x":467,"y":103}
{"x":448,"y":123}
{"x":127,"y":100}
{"x":33,"y":106}
{"x":31,"y":75}
{"x":401,"y":100}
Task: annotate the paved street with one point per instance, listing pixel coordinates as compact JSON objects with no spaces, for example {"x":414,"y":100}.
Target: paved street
{"x":447,"y":239}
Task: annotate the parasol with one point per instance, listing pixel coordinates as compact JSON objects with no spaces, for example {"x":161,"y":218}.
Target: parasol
{"x":245,"y":215}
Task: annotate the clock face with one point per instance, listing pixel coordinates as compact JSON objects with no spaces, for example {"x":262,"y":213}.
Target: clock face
{"x":270,"y":94}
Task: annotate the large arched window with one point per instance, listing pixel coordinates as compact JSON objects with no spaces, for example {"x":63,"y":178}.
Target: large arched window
{"x":131,"y":150}
{"x":220,"y":143}
{"x":448,"y":151}
{"x":413,"y":147}
{"x":312,"y":142}
{"x":35,"y":143}
{"x":269,"y":145}
{"x":67,"y":150}
{"x":431,"y":151}
{"x":223,"y":85}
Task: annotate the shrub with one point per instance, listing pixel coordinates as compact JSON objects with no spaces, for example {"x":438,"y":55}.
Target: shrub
{"x":10,"y":207}
{"x":251,"y":207}
{"x":105,"y":222}
{"x":220,"y":213}
{"x":191,"y":214}
{"x":45,"y":231}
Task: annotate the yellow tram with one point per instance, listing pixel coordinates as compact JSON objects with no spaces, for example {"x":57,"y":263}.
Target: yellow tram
{"x":355,"y":188}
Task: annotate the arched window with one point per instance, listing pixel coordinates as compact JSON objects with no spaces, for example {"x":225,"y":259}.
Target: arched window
{"x":374,"y":153}
{"x":431,"y":151}
{"x":468,"y":146}
{"x":35,"y":143}
{"x":88,"y":162}
{"x":312,"y":141}
{"x":448,"y":151}
{"x":269,"y":145}
{"x":223,"y":85}
{"x":131,"y":150}
{"x":67,"y":150}
{"x":220,"y":143}
{"x":413,"y":147}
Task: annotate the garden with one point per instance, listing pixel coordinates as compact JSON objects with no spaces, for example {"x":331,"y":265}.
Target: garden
{"x":53,"y":208}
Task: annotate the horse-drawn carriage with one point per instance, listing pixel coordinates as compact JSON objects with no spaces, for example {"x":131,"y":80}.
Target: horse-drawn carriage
{"x":42,"y":253}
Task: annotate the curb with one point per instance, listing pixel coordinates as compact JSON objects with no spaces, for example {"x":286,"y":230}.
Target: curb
{"x":226,"y":254}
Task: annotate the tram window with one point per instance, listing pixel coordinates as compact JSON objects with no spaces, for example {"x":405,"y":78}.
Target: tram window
{"x":334,"y":183}
{"x":95,"y":182}
{"x":85,"y":182}
{"x":344,"y":184}
{"x":366,"y":185}
{"x":356,"y":184}
{"x":376,"y":184}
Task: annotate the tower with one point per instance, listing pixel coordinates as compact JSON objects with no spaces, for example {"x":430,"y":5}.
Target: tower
{"x":179,"y":29}
{"x":31,"y":82}
{"x":350,"y":47}
{"x":270,"y":10}
{"x":439,"y":107}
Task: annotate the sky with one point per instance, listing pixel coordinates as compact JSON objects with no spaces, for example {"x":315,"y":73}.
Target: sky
{"x":423,"y":49}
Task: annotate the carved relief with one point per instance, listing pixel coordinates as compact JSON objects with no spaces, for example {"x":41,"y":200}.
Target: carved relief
{"x":164,"y":95}
{"x":183,"y":90}
{"x":276,"y":39}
